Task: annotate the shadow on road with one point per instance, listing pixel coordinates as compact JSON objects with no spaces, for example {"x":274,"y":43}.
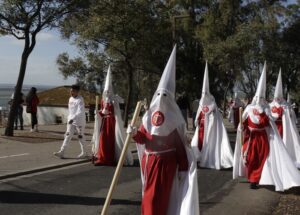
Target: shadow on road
{"x":16,"y":197}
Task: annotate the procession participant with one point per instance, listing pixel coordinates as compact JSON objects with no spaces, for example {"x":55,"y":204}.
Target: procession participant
{"x":234,"y":110}
{"x":168,"y":167}
{"x":210,"y":143}
{"x":109,"y":133}
{"x":260,"y":153}
{"x":285,"y":121}
{"x":76,"y":122}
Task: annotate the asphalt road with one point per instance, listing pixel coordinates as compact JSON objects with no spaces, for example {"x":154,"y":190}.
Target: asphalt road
{"x":82,"y":189}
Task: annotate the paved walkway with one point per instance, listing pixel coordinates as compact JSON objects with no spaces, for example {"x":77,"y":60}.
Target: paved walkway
{"x":32,"y":152}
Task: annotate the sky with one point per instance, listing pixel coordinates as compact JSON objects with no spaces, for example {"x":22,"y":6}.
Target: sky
{"x":41,"y":68}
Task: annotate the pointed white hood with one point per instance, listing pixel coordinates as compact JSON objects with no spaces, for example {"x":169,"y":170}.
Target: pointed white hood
{"x":278,"y":89}
{"x":260,"y":94}
{"x":206,"y":97}
{"x":164,"y":114}
{"x":205,"y":85}
{"x":108,"y":88}
{"x":168,"y":81}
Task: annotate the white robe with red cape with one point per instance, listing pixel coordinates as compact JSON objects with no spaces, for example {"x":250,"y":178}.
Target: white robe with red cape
{"x":184,"y":194}
{"x":290,"y":136}
{"x":216,"y":151}
{"x":119,"y":134}
{"x":279,"y":169}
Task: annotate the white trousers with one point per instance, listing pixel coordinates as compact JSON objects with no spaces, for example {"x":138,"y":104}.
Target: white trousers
{"x":71,"y":128}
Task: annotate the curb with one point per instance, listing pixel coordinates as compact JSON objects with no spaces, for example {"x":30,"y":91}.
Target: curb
{"x":42,"y":169}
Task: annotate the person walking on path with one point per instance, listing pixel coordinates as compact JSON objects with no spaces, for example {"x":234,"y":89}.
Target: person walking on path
{"x":32,"y":102}
{"x":260,"y":154}
{"x":76,"y":122}
{"x":109,"y":134}
{"x":285,"y":121}
{"x":168,"y":167}
{"x":210,"y":142}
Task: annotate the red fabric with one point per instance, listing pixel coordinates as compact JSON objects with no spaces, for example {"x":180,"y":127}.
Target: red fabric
{"x":278,"y":122}
{"x":34,"y":103}
{"x":201,"y":120}
{"x":160,"y":169}
{"x":258,"y":147}
{"x":106,"y":151}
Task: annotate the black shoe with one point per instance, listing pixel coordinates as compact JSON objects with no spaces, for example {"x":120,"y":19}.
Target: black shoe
{"x":22,"y":128}
{"x":16,"y":128}
{"x":253,"y":186}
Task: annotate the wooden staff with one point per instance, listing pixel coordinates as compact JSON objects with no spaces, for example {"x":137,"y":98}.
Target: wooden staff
{"x":241,"y":124}
{"x":121,"y":160}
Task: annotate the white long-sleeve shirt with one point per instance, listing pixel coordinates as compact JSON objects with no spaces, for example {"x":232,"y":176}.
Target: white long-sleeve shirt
{"x":77,"y":110}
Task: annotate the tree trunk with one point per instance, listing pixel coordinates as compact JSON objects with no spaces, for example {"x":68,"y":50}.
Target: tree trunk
{"x":9,"y":131}
{"x":129,"y":92}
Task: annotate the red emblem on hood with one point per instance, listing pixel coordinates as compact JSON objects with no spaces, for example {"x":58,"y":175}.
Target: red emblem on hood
{"x":255,"y":112}
{"x":158,"y":118}
{"x":205,"y":109}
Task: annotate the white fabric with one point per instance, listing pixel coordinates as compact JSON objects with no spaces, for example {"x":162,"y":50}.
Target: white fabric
{"x":205,"y":85}
{"x":77,"y":111}
{"x":164,"y":102}
{"x":119,"y":127}
{"x":71,"y":128}
{"x":291,"y":136}
{"x":167,"y":80}
{"x":216,"y":151}
{"x":184,"y":194}
{"x":260,"y":94}
{"x":278,"y":89}
{"x":279,"y":169}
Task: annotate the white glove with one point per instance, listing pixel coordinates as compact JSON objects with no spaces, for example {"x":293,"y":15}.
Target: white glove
{"x":131,"y":130}
{"x":104,"y":111}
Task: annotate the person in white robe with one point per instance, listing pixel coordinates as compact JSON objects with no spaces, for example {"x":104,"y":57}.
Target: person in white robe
{"x":260,"y":154}
{"x":285,"y":121}
{"x":210,"y":143}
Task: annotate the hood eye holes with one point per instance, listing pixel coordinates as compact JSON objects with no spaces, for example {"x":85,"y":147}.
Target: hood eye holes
{"x":164,"y":94}
{"x":158,"y":94}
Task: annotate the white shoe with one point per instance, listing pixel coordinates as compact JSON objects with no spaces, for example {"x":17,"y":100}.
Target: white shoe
{"x":59,"y":154}
{"x":31,"y":130}
{"x":82,"y":155}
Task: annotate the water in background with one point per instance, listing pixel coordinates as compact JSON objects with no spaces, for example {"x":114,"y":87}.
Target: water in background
{"x":6,"y":91}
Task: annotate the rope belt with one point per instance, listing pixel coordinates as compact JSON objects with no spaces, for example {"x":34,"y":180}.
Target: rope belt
{"x":256,"y":129}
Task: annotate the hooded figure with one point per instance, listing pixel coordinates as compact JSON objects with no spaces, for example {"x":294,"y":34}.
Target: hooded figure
{"x":168,"y":167}
{"x":284,"y":118}
{"x":234,"y":111}
{"x":210,"y":142}
{"x":260,"y":153}
{"x":109,"y":134}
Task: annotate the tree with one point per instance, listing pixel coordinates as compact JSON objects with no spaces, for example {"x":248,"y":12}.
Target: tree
{"x":133,"y":35}
{"x":24,"y":20}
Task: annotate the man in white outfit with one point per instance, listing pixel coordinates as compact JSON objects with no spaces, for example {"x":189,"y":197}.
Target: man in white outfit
{"x":76,"y":122}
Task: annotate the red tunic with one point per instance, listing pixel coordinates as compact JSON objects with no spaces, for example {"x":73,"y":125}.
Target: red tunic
{"x":106,"y":151}
{"x":201,"y":120}
{"x":256,"y":141}
{"x":159,"y":163}
{"x":278,"y":122}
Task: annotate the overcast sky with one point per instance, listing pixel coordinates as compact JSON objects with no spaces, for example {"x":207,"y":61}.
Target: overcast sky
{"x":41,"y":67}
